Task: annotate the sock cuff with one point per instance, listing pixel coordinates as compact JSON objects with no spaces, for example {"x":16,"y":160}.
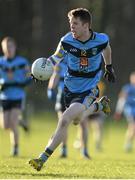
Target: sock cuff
{"x":48,"y":152}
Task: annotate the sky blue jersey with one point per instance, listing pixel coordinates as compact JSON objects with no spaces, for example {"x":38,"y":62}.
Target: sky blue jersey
{"x":129,"y":89}
{"x":129,"y":108}
{"x":14,"y":75}
{"x":83,"y":60}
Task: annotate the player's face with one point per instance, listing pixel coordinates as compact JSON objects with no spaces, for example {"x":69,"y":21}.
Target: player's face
{"x":132,"y":79}
{"x":9,"y":49}
{"x":77,"y":27}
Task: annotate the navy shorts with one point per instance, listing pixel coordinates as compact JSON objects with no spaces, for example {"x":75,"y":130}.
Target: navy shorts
{"x":9,"y":104}
{"x":70,"y":97}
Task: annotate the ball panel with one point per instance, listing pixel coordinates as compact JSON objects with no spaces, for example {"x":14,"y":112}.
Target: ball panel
{"x":42,"y":69}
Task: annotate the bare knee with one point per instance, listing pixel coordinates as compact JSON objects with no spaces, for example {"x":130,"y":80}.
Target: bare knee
{"x":64,"y":121}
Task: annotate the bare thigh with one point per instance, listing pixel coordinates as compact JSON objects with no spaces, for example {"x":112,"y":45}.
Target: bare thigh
{"x":14,"y":117}
{"x":74,"y":111}
{"x":5,"y":119}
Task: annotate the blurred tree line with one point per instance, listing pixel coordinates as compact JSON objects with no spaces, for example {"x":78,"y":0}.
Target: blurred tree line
{"x":37,"y":26}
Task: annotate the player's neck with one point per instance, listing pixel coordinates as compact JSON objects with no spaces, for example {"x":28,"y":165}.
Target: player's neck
{"x":86,"y":36}
{"x":9,"y":57}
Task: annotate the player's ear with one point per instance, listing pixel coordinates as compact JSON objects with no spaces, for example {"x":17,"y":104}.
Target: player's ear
{"x":86,"y":24}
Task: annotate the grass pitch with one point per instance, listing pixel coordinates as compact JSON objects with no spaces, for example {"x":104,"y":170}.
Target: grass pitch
{"x":112,"y":162}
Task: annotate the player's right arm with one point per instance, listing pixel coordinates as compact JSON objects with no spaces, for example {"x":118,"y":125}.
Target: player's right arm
{"x":58,"y":55}
{"x":55,"y":58}
{"x":120,"y":105}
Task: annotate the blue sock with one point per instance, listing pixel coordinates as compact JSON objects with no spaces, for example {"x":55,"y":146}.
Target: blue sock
{"x":43,"y":157}
{"x":14,"y":150}
{"x":46,"y":154}
{"x":84,"y":151}
{"x":64,"y":150}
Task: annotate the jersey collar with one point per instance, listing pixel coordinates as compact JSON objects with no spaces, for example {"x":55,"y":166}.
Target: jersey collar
{"x":92,"y":37}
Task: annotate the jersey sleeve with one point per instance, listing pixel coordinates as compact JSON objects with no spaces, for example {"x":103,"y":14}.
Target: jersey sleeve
{"x":58,"y":55}
{"x":57,"y":68}
{"x":104,"y":39}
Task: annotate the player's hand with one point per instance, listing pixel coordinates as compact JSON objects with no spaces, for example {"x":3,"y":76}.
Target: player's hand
{"x":109,"y":73}
{"x":35,"y":79}
{"x":51,"y":94}
{"x":117,"y":116}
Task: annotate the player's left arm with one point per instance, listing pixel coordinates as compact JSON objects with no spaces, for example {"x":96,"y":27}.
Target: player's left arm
{"x":53,"y":83}
{"x":109,"y":71}
{"x":54,"y":80}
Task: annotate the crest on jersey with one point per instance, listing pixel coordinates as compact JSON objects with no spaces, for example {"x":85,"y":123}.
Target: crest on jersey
{"x":94,"y":51}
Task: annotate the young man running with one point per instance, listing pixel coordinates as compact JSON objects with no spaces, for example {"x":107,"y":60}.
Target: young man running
{"x":84,"y":49}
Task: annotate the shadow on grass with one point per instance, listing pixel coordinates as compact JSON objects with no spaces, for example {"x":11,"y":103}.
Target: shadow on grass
{"x":56,"y":176}
{"x":53,"y":175}
{"x":16,"y":157}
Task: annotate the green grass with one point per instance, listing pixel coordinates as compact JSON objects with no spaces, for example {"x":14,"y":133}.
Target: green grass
{"x":113,"y":162}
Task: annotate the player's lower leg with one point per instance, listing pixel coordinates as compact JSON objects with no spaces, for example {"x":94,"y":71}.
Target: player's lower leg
{"x":53,"y":143}
{"x":24,"y":125}
{"x":63,"y":149}
{"x":84,"y":138}
{"x":85,"y":153}
{"x":14,"y":133}
{"x":15,"y":150}
{"x":98,"y":135}
{"x":77,"y":143}
{"x":14,"y":142}
{"x":103,"y":105}
{"x":63,"y":153}
{"x":130,"y":134}
{"x":57,"y":138}
{"x":39,"y":162}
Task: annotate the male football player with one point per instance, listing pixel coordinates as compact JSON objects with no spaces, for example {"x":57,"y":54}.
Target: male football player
{"x":126,"y":105}
{"x":14,"y":76}
{"x":84,"y":49}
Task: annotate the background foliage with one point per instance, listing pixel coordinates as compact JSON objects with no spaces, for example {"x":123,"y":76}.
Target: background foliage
{"x":37,"y":25}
